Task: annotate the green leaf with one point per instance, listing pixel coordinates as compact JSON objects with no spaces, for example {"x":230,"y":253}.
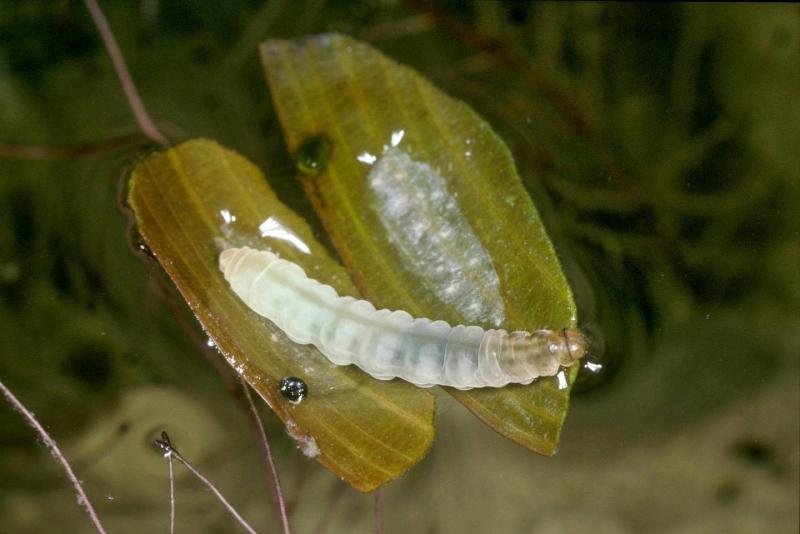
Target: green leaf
{"x":493,"y":241}
{"x":192,"y":196}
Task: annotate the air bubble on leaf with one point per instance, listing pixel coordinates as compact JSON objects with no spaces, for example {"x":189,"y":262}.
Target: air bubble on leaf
{"x":312,"y":155}
{"x":294,"y":389}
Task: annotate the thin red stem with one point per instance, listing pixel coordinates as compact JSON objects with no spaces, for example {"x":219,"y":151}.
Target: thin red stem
{"x":171,"y":496}
{"x":170,"y":451}
{"x":378,"y":515}
{"x":270,"y":462}
{"x":333,"y":507}
{"x":83,"y":500}
{"x":134,"y":101}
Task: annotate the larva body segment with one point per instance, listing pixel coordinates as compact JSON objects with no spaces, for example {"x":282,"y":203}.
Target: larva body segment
{"x":388,"y":344}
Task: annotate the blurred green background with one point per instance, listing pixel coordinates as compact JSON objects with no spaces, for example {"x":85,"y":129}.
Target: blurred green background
{"x":660,"y":143}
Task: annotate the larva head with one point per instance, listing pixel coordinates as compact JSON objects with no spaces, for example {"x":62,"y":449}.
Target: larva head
{"x":568,"y":346}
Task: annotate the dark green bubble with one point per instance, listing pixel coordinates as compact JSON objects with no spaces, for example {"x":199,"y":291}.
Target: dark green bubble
{"x":312,"y":155}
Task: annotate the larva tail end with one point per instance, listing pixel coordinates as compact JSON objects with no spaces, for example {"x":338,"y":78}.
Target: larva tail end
{"x":226,"y":257}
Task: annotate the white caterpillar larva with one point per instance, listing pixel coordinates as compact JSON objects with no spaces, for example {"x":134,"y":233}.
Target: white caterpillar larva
{"x":388,"y":344}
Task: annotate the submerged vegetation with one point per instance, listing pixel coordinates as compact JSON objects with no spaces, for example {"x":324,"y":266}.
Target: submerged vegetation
{"x":658,"y":142}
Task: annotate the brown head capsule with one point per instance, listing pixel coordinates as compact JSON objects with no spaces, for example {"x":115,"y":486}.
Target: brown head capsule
{"x":568,"y":346}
